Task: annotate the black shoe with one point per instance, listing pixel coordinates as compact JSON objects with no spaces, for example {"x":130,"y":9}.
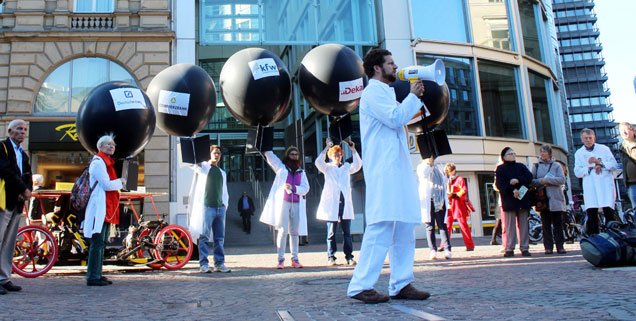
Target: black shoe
{"x":371,"y":297}
{"x":107,"y":280}
{"x":494,"y":243}
{"x":11,"y":287}
{"x":98,"y":282}
{"x":525,"y":253}
{"x":3,"y":291}
{"x":509,"y":254}
{"x":562,"y":251}
{"x":409,"y":292}
{"x":548,"y":252}
{"x":468,"y":250}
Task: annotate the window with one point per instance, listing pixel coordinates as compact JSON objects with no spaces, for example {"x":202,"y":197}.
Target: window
{"x":540,"y":107}
{"x":490,"y":24}
{"x":94,"y":6}
{"x":64,"y":89}
{"x":502,"y":112}
{"x":222,"y":118}
{"x":429,"y":15}
{"x":463,"y":116}
{"x":530,"y":29}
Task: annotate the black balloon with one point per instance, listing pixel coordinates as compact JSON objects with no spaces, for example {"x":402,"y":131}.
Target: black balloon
{"x":185,"y":79}
{"x":255,"y":86}
{"x":331,"y":73}
{"x":97,"y":116}
{"x":436,"y":98}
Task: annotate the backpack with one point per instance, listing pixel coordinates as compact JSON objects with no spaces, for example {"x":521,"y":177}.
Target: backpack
{"x":614,"y":247}
{"x":81,"y":193}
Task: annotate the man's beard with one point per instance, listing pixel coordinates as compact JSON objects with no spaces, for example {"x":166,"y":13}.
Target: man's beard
{"x":390,"y":77}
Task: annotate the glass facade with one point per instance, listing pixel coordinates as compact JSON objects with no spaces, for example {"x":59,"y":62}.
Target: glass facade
{"x":430,"y":15}
{"x":541,"y":107}
{"x":64,"y":89}
{"x":94,"y":6}
{"x":529,"y":27}
{"x":502,"y":112}
{"x":490,"y":26}
{"x":298,"y":22}
{"x":463,"y":114}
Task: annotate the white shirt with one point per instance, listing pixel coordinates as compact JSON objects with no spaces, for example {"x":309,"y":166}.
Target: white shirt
{"x":18,"y":154}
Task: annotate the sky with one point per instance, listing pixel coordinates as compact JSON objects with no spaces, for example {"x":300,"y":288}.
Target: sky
{"x":617,"y":25}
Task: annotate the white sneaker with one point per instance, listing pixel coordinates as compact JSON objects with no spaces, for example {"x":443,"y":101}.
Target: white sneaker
{"x":433,"y":255}
{"x":222,"y":268}
{"x":204,"y":269}
{"x":447,"y":254}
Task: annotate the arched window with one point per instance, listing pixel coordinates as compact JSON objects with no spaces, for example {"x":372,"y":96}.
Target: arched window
{"x":64,"y":89}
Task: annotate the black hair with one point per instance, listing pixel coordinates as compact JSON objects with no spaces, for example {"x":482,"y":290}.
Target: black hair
{"x":375,"y":57}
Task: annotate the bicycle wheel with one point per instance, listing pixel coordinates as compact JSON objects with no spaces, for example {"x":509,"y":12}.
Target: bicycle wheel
{"x":35,"y":251}
{"x":173,"y":246}
{"x":145,"y":253}
{"x":536,"y":232}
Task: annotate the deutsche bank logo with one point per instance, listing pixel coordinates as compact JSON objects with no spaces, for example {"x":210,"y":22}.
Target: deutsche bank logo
{"x":128,"y":94}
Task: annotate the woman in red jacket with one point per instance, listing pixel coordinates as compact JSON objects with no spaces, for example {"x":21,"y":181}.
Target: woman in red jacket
{"x":458,"y":210}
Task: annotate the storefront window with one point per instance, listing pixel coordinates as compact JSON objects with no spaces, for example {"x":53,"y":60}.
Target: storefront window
{"x":463,"y":114}
{"x":502,"y":112}
{"x":222,"y":118}
{"x":439,"y":20}
{"x":529,"y":27}
{"x":93,"y":6}
{"x":64,"y":89}
{"x":490,"y":25}
{"x":299,"y":22}
{"x":541,"y":108}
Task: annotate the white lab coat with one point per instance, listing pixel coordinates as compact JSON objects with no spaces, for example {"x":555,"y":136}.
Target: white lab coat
{"x":425,"y":176}
{"x":196,"y":206}
{"x":337,"y":179}
{"x":96,"y":207}
{"x":599,"y":190}
{"x":273,"y":210}
{"x":391,"y":186}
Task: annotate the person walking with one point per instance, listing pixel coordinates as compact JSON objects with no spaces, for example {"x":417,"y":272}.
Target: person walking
{"x":336,"y":205}
{"x":458,"y":210}
{"x":512,"y":180}
{"x":433,"y":204}
{"x":285,"y":208}
{"x":548,"y":174}
{"x":15,"y":170}
{"x":102,"y":208}
{"x":391,"y":204}
{"x":246,"y":209}
{"x":209,"y":205}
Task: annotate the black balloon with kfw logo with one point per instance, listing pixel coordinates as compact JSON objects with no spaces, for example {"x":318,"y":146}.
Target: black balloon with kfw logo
{"x":255,"y":87}
{"x":117,"y":108}
{"x":332,"y":78}
{"x":184,"y":97}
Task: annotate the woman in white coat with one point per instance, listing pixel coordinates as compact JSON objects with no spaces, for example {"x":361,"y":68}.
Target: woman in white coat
{"x":434,"y":204}
{"x":102,"y":208}
{"x":335,"y":202}
{"x":285,"y":206}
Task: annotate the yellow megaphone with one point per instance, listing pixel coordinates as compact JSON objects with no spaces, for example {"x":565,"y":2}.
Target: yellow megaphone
{"x":433,"y":72}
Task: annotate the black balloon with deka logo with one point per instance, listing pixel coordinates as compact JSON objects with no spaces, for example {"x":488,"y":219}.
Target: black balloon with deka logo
{"x":117,"y":108}
{"x":332,"y":78}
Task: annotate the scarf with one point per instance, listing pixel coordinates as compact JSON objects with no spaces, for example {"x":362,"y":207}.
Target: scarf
{"x":112,"y":197}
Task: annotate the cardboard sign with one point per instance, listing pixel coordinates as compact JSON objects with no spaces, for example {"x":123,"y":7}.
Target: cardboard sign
{"x":262,"y":68}
{"x":350,"y":90}
{"x":128,"y":98}
{"x":173,"y":103}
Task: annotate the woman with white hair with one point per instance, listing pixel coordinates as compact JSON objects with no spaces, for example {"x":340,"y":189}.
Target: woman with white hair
{"x":102,"y":208}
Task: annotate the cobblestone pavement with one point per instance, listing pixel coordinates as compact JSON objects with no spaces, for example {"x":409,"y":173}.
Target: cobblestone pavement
{"x":478,"y":285}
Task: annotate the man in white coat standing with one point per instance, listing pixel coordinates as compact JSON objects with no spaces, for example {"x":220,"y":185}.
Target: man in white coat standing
{"x":595,"y":164}
{"x":392,"y":203}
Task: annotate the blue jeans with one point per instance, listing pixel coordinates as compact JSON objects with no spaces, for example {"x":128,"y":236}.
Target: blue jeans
{"x":96,"y":254}
{"x":631,"y":192}
{"x":347,"y":245}
{"x":213,"y":221}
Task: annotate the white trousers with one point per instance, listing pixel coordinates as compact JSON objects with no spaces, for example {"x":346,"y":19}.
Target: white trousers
{"x":393,"y":237}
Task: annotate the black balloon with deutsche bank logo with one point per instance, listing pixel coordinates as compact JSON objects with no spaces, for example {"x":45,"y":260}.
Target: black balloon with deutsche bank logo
{"x":117,"y":108}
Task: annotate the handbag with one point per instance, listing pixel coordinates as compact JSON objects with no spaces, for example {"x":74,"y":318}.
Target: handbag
{"x":538,"y":196}
{"x":3,"y":192}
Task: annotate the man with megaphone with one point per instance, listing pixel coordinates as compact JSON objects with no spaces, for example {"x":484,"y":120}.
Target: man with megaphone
{"x":392,"y":206}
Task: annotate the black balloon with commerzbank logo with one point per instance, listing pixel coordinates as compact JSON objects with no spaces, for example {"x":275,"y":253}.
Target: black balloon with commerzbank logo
{"x":117,"y":108}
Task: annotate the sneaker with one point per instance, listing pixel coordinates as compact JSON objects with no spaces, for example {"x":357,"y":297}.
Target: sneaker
{"x":222,"y":268}
{"x":448,"y":255}
{"x":331,"y":261}
{"x":432,"y":255}
{"x":409,"y":292}
{"x":371,"y":297}
{"x":296,"y":264}
{"x":281,"y":264}
{"x":509,"y":254}
{"x":351,"y":262}
{"x":525,"y":253}
{"x":204,"y":269}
